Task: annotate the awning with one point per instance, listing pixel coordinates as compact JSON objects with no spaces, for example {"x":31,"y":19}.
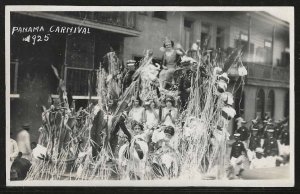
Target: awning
{"x":86,"y":23}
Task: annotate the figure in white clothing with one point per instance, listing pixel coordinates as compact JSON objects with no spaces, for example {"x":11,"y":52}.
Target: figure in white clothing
{"x":133,"y":155}
{"x":14,"y":150}
{"x":165,"y":162}
{"x":137,"y":113}
{"x":259,"y":161}
{"x":152,"y":115}
{"x":169,"y":113}
{"x":23,"y":140}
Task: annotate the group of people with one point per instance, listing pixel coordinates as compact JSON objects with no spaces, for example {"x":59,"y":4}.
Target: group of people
{"x":265,"y":144}
{"x":150,"y":133}
{"x":23,"y":153}
{"x":144,"y":137}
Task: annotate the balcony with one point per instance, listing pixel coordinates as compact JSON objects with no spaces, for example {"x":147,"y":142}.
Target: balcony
{"x":120,"y":19}
{"x":259,"y":73}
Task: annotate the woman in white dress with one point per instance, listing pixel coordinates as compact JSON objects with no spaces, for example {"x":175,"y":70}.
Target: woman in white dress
{"x":137,"y":113}
{"x":169,"y":113}
{"x":152,"y":115}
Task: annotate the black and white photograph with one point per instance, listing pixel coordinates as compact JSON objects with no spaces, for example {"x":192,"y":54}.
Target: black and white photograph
{"x":149,"y":96}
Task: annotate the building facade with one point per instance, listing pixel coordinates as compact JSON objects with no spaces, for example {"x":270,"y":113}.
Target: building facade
{"x":76,"y":56}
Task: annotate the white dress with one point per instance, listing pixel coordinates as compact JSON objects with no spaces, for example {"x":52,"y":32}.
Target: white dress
{"x":168,"y":121}
{"x":151,"y":120}
{"x":136,"y":113}
{"x":23,"y":140}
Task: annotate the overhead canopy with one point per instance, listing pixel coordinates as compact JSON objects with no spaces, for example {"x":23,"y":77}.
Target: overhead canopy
{"x":82,"y":22}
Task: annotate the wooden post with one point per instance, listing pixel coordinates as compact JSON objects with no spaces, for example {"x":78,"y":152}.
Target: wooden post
{"x":273,"y":40}
{"x":249,"y":35}
{"x":16,"y":76}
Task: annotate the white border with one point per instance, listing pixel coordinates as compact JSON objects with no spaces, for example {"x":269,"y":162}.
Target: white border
{"x":177,"y":183}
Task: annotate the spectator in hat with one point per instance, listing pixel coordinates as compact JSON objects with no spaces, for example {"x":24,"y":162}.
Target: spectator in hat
{"x":259,"y":161}
{"x":284,"y":141}
{"x":129,"y":71}
{"x":237,"y":157}
{"x":19,"y":168}
{"x":169,"y":113}
{"x":254,"y":143}
{"x":277,"y":129}
{"x":243,"y":130}
{"x":23,"y":140}
{"x":270,"y":143}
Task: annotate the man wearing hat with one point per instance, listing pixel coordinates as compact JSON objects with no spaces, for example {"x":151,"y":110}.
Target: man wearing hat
{"x":270,"y":143}
{"x":284,"y":141}
{"x":243,"y":130}
{"x":236,"y":156}
{"x":23,"y":140}
{"x":259,"y":161}
{"x":277,"y":129}
{"x":254,"y":142}
{"x":130,"y":69}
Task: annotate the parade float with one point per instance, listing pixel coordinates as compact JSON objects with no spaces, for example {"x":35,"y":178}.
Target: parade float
{"x":78,"y":141}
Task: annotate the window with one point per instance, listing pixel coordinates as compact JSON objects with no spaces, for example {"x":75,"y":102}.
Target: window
{"x":160,"y":14}
{"x":188,"y":31}
{"x":268,"y":48}
{"x":205,"y":31}
{"x":271,"y":104}
{"x":220,"y":40}
{"x":14,"y":65}
{"x":244,"y":36}
{"x":268,"y":44}
{"x":260,"y":103}
{"x":285,"y":59}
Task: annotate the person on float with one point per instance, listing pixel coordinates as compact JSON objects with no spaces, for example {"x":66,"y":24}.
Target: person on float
{"x":170,"y":60}
{"x":169,"y":113}
{"x":165,"y":159}
{"x":151,"y":114}
{"x":134,"y":154}
{"x":137,"y":112}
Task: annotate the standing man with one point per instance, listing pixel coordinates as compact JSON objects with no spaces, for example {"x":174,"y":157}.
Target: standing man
{"x":243,"y":131}
{"x":284,"y":141}
{"x":254,"y":143}
{"x":236,"y":157}
{"x":23,"y":140}
{"x":270,"y":144}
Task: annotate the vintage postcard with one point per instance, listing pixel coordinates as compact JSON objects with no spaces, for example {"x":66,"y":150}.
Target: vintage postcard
{"x":149,"y":96}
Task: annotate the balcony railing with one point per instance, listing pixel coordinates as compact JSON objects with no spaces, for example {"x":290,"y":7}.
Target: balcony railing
{"x":267,"y":72}
{"x":120,"y":19}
